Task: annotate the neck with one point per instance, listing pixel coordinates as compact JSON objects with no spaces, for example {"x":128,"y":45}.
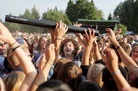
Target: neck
{"x":69,"y":57}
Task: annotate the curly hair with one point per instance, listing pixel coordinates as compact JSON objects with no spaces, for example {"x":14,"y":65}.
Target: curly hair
{"x":75,"y":43}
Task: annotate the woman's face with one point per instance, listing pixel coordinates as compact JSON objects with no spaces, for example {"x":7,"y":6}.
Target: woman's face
{"x":135,"y":54}
{"x":2,"y":47}
{"x":43,"y":42}
{"x":68,"y":48}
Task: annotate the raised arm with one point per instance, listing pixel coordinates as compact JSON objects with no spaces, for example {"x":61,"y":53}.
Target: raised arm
{"x":25,"y":61}
{"x":128,"y":61}
{"x":96,"y":51}
{"x":111,"y":60}
{"x":59,"y":33}
{"x":89,"y":37}
{"x":48,"y":61}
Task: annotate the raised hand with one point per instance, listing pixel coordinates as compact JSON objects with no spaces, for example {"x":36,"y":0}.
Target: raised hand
{"x":111,"y":59}
{"x":50,"y":53}
{"x":5,"y":34}
{"x":60,"y":30}
{"x":89,"y":37}
{"x":111,"y":35}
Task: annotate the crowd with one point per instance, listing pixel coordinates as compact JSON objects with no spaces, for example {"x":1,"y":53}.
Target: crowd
{"x":58,"y":61}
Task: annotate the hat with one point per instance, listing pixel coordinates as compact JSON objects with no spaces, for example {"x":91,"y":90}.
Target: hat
{"x":20,"y":40}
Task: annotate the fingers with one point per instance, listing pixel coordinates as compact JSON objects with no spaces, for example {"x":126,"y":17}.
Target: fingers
{"x":110,"y":55}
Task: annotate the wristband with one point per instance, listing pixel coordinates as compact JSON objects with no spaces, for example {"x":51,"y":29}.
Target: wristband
{"x":15,"y":48}
{"x":15,"y":44}
{"x":49,"y":62}
{"x":116,"y":72}
{"x":58,"y":38}
{"x":12,"y":44}
{"x":117,"y":47}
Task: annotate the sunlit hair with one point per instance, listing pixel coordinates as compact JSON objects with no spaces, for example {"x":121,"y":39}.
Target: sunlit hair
{"x":60,"y":63}
{"x":75,"y":43}
{"x":95,"y":73}
{"x":127,"y":47}
{"x":70,"y":74}
{"x":12,"y":59}
{"x":38,"y":48}
{"x":14,"y":80}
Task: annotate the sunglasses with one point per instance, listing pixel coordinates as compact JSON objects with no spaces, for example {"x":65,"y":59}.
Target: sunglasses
{"x":1,"y":44}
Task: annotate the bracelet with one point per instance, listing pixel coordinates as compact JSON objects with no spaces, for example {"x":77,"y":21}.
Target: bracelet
{"x":15,"y":48}
{"x":117,"y":47}
{"x":59,"y":38}
{"x":116,"y":72}
{"x":49,"y":62}
{"x":14,"y":45}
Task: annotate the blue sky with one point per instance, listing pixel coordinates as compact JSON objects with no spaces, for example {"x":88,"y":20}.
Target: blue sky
{"x":16,"y":7}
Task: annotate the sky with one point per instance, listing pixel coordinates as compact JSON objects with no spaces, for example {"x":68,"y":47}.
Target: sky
{"x":16,"y":7}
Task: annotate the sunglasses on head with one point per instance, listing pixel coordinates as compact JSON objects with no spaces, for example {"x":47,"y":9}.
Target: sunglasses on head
{"x":1,"y":44}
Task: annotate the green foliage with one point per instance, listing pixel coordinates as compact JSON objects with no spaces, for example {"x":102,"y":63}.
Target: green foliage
{"x":12,"y":26}
{"x":55,"y":15}
{"x":110,"y":17}
{"x":124,"y":28}
{"x":128,"y":12}
{"x":82,"y":9}
{"x":33,"y":14}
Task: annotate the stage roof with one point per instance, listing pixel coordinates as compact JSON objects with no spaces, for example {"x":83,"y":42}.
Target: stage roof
{"x":98,"y":24}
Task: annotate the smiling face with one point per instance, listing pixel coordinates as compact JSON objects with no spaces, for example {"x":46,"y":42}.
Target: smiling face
{"x":68,"y":48}
{"x":43,"y":42}
{"x":2,"y":47}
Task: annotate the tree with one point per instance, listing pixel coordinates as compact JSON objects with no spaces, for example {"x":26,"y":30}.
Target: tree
{"x":110,"y":17}
{"x":125,"y":12}
{"x":12,"y":26}
{"x":124,"y":28}
{"x":0,"y":20}
{"x":82,"y":9}
{"x":35,"y":13}
{"x":135,"y":18}
{"x":56,"y":16}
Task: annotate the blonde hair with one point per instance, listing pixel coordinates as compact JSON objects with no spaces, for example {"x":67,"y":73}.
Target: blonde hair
{"x":12,"y":59}
{"x":95,"y":73}
{"x":14,"y":80}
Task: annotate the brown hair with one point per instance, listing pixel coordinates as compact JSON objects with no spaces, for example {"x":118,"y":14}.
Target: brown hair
{"x":70,"y":74}
{"x":127,"y":47}
{"x":75,"y":43}
{"x":14,"y":80}
{"x":39,"y":46}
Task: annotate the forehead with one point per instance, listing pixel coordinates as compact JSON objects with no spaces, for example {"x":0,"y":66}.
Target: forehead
{"x":1,"y":41}
{"x":44,"y":38}
{"x":136,"y":48}
{"x":69,"y":43}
